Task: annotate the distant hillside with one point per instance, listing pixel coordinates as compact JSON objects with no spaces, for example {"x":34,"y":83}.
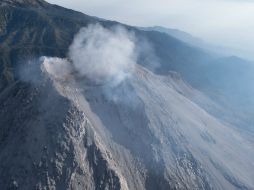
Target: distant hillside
{"x":178,"y":34}
{"x":197,"y":42}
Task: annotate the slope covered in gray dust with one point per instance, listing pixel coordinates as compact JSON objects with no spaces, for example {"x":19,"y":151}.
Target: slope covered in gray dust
{"x":175,"y":142}
{"x":147,"y":135}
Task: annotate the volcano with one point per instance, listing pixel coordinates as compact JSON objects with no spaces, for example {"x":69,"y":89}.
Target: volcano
{"x":161,"y":127}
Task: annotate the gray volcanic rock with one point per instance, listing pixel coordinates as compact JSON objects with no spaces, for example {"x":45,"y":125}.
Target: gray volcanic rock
{"x":67,"y":134}
{"x":45,"y":146}
{"x":24,"y":2}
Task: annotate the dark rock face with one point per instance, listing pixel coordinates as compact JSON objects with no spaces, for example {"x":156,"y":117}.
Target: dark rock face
{"x":39,"y":143}
{"x":24,"y":3}
{"x":28,"y":32}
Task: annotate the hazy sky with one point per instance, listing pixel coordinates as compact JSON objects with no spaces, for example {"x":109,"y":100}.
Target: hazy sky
{"x":223,"y":22}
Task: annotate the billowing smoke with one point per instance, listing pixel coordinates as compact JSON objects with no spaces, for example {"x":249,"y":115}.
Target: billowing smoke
{"x":104,"y":55}
{"x":57,"y":67}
